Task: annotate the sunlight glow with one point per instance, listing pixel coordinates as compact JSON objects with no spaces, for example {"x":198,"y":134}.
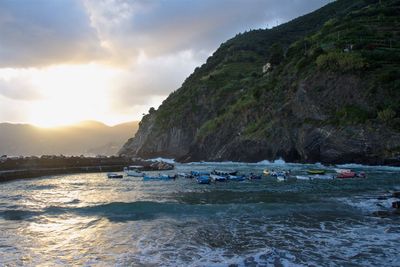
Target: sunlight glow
{"x":71,"y":93}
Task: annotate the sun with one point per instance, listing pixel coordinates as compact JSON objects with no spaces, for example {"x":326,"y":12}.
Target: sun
{"x":71,"y":93}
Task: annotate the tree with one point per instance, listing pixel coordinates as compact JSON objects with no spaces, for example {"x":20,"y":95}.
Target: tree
{"x":276,"y":54}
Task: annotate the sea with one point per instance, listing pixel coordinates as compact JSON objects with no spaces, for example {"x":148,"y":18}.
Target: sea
{"x":90,"y":220}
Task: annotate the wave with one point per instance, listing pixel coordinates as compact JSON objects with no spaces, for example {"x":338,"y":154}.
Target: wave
{"x":159,"y":159}
{"x":371,"y":167}
{"x":279,"y":161}
{"x":148,"y":210}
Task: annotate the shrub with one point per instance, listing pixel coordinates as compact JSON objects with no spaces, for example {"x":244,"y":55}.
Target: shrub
{"x":341,"y":62}
{"x":386,"y":115}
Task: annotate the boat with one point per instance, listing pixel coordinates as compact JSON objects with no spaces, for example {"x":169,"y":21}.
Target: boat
{"x":199,"y":173}
{"x":280,"y":178}
{"x":279,"y":173}
{"x":184,"y":175}
{"x":345,"y":175}
{"x":321,"y":177}
{"x":302,"y":177}
{"x":112,"y":175}
{"x":134,"y":171}
{"x":342,"y":170}
{"x":224,"y":173}
{"x":266,"y":172}
{"x":236,"y":178}
{"x":313,"y":172}
{"x":253,"y":176}
{"x":218,"y":178}
{"x":203,"y":179}
{"x":162,"y":177}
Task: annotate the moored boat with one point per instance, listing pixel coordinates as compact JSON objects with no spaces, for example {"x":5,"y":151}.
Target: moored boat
{"x":253,"y":176}
{"x":224,"y":173}
{"x":134,"y":171}
{"x":280,"y":178}
{"x":218,"y":178}
{"x":199,"y":173}
{"x":313,"y":172}
{"x":236,"y":178}
{"x":203,"y":179}
{"x":159,"y":177}
{"x":112,"y":175}
{"x":185,"y":175}
{"x":345,"y":175}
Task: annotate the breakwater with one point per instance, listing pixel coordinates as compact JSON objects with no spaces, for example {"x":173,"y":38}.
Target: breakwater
{"x":31,"y":167}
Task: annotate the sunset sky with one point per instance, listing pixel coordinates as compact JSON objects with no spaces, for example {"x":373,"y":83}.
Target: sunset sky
{"x":63,"y":61}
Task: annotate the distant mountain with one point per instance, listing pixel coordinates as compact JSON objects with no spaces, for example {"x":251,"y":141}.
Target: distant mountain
{"x":87,"y":138}
{"x":324,"y":87}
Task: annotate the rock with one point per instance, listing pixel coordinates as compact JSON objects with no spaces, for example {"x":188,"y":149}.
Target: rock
{"x":162,"y":166}
{"x":396,"y":205}
{"x":396,"y":194}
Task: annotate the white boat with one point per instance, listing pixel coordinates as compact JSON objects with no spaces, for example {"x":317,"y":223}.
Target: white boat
{"x":342,"y":170}
{"x":301,"y":177}
{"x":134,"y":171}
{"x":280,"y":178}
{"x":321,"y":177}
{"x":218,"y":178}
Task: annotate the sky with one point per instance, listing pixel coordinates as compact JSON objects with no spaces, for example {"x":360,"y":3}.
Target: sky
{"x":64,"y":61}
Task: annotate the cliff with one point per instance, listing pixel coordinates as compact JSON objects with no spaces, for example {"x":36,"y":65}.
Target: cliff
{"x":324,"y":87}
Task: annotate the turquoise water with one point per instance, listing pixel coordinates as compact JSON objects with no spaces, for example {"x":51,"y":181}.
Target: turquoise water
{"x":89,"y":220}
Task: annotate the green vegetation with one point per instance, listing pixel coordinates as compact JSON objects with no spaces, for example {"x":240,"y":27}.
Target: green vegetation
{"x":341,"y":62}
{"x":358,"y":40}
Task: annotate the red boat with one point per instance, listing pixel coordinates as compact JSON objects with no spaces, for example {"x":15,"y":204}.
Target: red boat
{"x":344,"y":175}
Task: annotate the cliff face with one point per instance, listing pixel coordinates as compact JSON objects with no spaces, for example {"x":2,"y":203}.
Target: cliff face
{"x":332,"y":95}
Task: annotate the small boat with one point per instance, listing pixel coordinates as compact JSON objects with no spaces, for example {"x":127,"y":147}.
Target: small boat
{"x":302,"y":177}
{"x":342,"y":170}
{"x":218,"y":178}
{"x":279,"y":173}
{"x":199,"y":173}
{"x":203,"y":179}
{"x":345,"y":175}
{"x":112,"y":175}
{"x":184,"y":175}
{"x":266,"y":172}
{"x":313,"y":172}
{"x":134,"y":171}
{"x":280,"y":178}
{"x":162,"y":177}
{"x":224,"y":173}
{"x":321,"y":177}
{"x":236,"y":178}
{"x":253,"y":176}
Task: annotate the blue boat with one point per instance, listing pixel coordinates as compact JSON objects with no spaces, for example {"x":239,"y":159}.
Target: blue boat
{"x":203,"y":179}
{"x":199,"y":173}
{"x":218,"y":178}
{"x":162,"y":177}
{"x":236,"y":178}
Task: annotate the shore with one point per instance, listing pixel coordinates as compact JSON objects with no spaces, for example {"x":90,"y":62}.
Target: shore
{"x":32,"y":167}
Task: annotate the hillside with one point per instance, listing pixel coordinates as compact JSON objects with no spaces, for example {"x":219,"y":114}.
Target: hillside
{"x":332,"y":94}
{"x":88,"y":138}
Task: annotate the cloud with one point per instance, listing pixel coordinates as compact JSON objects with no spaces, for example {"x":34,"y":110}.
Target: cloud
{"x":19,"y":88}
{"x":155,"y":44}
{"x":166,"y":27}
{"x":40,"y":33}
{"x":151,"y":78}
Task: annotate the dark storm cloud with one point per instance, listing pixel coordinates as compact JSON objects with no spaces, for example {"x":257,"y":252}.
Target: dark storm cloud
{"x":38,"y":33}
{"x":45,"y":32}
